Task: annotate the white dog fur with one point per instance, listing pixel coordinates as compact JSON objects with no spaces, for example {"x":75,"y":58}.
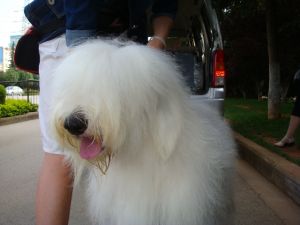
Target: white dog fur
{"x":172,"y":162}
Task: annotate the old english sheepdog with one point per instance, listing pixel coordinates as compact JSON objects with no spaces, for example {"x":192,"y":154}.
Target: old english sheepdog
{"x":150,"y":156}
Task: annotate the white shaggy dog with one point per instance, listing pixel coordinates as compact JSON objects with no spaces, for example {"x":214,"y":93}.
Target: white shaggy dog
{"x":122,"y":113}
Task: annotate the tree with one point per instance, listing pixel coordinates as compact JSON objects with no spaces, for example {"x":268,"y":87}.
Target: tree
{"x":14,"y":75}
{"x":12,"y":53}
{"x":245,"y":47}
{"x":253,"y":36}
{"x":11,"y":75}
{"x":274,"y":64}
{"x":24,"y":75}
{"x":2,"y":76}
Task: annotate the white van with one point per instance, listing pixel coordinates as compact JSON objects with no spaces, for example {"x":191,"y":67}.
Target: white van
{"x":197,"y":44}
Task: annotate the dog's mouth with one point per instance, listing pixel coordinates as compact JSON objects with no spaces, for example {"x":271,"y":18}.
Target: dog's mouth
{"x":94,"y":151}
{"x":77,"y":124}
{"x":90,"y":148}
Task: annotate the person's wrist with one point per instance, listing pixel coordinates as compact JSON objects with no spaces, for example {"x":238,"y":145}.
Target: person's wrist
{"x":157,"y":42}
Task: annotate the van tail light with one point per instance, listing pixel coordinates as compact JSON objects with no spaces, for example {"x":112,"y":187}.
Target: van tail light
{"x":218,"y":69}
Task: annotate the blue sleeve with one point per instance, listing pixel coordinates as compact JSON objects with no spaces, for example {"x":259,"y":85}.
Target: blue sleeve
{"x":80,"y":15}
{"x":81,"y":20}
{"x":76,"y":37}
{"x":165,"y":8}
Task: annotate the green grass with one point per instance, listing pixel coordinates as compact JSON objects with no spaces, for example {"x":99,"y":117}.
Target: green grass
{"x":249,"y":118}
{"x":13,"y":107}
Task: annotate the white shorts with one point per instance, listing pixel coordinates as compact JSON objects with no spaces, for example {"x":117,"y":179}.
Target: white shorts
{"x":51,"y":54}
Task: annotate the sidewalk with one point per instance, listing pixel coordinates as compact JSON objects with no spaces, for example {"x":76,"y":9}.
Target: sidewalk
{"x":257,"y":201}
{"x":282,"y":173}
{"x":250,"y":209}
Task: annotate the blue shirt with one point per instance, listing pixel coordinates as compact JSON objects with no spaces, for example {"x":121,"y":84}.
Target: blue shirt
{"x":80,"y":20}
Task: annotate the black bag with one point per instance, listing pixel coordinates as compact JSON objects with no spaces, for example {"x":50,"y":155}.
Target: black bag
{"x":26,"y":55}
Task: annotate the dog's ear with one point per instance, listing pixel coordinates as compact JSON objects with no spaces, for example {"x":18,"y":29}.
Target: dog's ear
{"x":168,"y":125}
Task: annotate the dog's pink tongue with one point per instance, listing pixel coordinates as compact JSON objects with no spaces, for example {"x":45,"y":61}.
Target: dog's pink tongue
{"x":89,"y":148}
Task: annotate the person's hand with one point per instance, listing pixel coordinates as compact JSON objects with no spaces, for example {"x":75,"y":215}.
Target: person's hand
{"x":157,"y":42}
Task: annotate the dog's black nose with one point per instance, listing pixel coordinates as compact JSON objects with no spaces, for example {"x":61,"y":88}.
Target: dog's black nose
{"x":76,"y":123}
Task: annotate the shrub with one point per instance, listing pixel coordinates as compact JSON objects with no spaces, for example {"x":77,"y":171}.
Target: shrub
{"x":2,"y":94}
{"x":16,"y":107}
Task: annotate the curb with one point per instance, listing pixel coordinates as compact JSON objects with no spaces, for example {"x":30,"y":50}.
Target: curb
{"x":20,"y":118}
{"x":279,"y":171}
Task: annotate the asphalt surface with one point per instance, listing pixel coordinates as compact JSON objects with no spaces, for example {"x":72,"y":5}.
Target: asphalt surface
{"x":256,"y":200}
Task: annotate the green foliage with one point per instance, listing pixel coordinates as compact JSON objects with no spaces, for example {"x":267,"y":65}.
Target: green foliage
{"x":24,"y":75}
{"x":12,"y":52}
{"x":2,"y":74}
{"x":16,"y":107}
{"x":2,"y":94}
{"x":14,"y":75}
{"x":11,"y":75}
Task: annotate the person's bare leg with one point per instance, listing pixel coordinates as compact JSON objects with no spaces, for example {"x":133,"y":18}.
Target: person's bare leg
{"x":288,"y":139}
{"x":54,"y":192}
{"x":293,"y":125}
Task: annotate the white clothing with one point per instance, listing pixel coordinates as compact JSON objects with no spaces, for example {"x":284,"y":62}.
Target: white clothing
{"x":51,"y":54}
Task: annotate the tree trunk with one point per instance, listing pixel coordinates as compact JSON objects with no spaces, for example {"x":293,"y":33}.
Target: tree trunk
{"x":274,"y":65}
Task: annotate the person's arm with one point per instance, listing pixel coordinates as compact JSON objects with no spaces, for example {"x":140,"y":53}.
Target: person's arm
{"x":54,"y":192}
{"x":164,"y":12}
{"x":161,"y":28}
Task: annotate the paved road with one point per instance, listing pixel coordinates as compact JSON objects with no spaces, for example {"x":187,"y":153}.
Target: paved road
{"x":257,"y":201}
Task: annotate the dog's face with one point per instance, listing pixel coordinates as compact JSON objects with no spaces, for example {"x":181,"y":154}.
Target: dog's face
{"x":110,"y":98}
